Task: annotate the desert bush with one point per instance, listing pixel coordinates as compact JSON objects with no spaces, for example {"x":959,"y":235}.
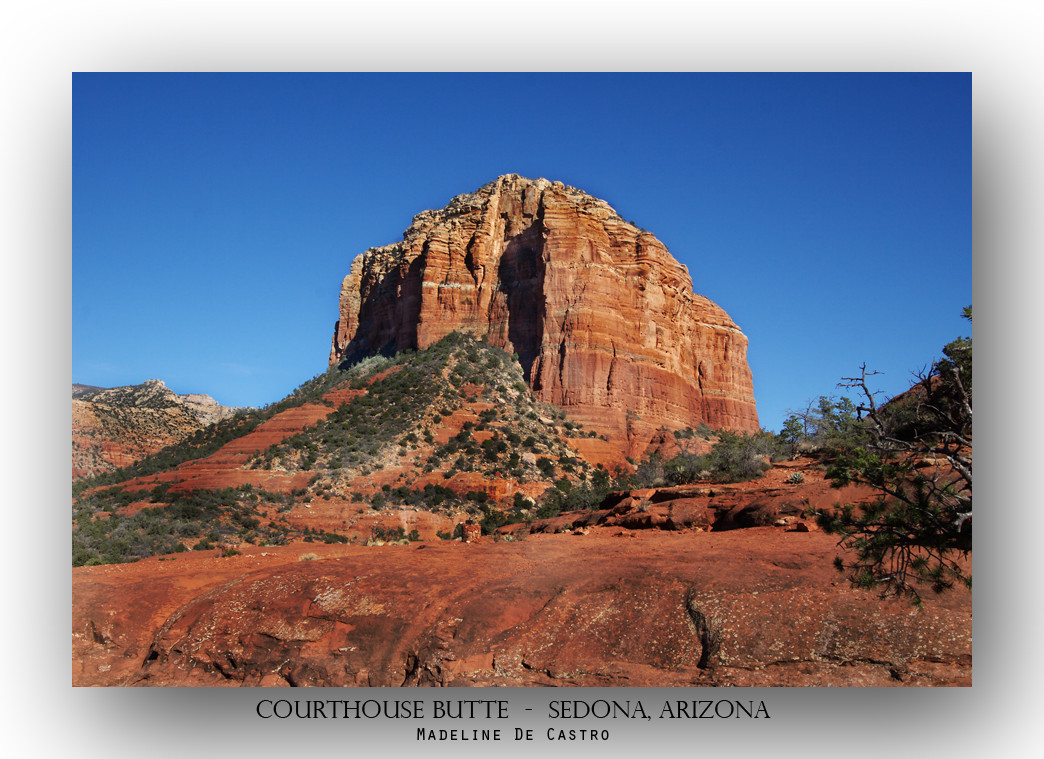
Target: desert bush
{"x":738,"y":457}
{"x":201,"y":514}
{"x":570,"y":497}
{"x":546,"y":467}
{"x":684,"y":468}
{"x":492,"y":518}
{"x":649,"y":472}
{"x":826,"y":424}
{"x":387,"y":534}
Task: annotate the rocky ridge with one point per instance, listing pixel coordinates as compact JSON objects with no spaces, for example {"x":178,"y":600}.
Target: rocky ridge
{"x":114,"y":427}
{"x":603,"y":319}
{"x":450,"y":433}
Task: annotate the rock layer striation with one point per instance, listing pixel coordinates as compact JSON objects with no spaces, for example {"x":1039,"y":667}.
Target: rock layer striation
{"x":603,"y":319}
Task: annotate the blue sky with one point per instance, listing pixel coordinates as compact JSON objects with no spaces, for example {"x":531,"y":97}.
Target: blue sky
{"x":214,"y":216}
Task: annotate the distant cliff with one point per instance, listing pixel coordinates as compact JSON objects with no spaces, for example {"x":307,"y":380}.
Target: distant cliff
{"x":114,"y":427}
{"x":603,"y":319}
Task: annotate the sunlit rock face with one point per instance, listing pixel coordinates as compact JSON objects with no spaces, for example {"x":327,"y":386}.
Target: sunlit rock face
{"x":603,"y":319}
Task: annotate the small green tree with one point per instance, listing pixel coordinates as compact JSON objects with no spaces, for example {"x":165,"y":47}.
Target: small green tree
{"x":825,"y":424}
{"x":492,"y":518}
{"x":916,"y":451}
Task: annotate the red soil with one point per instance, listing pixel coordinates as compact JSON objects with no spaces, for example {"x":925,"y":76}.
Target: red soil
{"x":610,"y":607}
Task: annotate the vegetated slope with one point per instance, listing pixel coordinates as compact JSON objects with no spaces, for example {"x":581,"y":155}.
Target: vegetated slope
{"x":114,"y":427}
{"x":79,"y":390}
{"x":451,"y":431}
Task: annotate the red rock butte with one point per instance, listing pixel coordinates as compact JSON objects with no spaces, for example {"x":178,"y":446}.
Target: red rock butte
{"x":603,"y":319}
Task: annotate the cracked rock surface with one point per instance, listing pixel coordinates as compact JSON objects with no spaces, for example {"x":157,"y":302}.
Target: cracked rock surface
{"x":757,"y":606}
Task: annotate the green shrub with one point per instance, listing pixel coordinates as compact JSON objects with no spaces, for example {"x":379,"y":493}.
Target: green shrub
{"x":738,"y":457}
{"x":684,"y":468}
{"x":388,"y":534}
{"x":492,"y":519}
{"x":649,"y":472}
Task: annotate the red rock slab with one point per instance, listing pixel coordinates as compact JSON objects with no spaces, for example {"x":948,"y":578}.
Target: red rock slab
{"x":748,"y":607}
{"x":452,"y":424}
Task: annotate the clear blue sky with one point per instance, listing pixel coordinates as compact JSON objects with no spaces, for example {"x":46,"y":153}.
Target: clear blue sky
{"x":214,"y":216}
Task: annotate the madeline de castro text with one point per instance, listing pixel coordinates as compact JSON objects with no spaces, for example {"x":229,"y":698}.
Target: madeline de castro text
{"x":596,"y":715}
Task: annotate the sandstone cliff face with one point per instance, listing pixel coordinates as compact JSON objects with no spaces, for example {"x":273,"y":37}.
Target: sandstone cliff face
{"x":603,"y":319}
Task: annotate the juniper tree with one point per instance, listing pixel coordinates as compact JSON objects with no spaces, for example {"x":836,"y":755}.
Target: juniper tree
{"x":916,"y":452}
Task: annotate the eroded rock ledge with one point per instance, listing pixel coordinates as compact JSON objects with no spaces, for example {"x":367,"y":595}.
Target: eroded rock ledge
{"x":758,"y":606}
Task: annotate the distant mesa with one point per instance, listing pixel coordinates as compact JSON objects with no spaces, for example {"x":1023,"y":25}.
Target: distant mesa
{"x":603,"y":319}
{"x":115,"y":427}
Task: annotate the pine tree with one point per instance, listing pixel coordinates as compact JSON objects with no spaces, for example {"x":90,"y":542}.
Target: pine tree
{"x":916,"y":452}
